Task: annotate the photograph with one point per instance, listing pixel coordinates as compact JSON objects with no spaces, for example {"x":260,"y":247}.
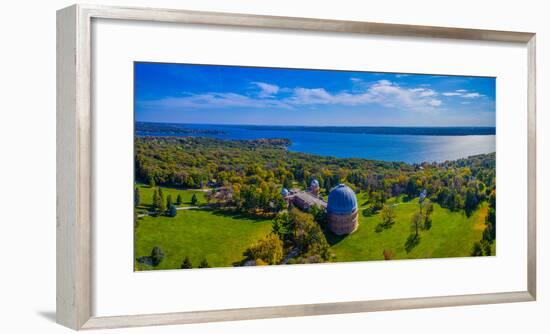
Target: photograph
{"x":254,"y":166}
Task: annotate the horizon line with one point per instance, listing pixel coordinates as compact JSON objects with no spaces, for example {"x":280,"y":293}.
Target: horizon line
{"x":336,"y":126}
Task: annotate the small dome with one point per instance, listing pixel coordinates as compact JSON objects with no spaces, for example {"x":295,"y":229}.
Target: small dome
{"x":315,"y":184}
{"x":284,"y":192}
{"x":341,"y":200}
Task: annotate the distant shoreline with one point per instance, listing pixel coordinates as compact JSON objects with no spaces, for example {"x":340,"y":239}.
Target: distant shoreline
{"x":374,"y":130}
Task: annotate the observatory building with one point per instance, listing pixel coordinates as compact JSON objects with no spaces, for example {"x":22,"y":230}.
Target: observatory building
{"x":341,"y":207}
{"x":342,"y":210}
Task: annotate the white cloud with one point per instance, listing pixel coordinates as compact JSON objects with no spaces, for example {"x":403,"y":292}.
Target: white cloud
{"x":463,"y":93}
{"x":471,"y":95}
{"x":266,"y":90}
{"x":427,"y":93}
{"x":215,"y":100}
{"x":424,"y":92}
{"x":382,"y":92}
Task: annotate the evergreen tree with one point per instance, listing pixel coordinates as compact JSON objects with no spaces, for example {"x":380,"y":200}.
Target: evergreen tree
{"x":156,"y":201}
{"x":168,"y":201}
{"x":156,"y":256}
{"x":136,"y":197}
{"x":204,"y":264}
{"x":179,"y":200}
{"x":186,"y":264}
{"x":194,"y":199}
{"x":172,"y":211}
{"x":162,"y":204}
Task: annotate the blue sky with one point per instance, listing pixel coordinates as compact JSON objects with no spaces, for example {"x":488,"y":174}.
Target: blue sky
{"x":184,"y":93}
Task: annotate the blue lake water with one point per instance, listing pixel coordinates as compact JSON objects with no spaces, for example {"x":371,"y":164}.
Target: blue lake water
{"x":432,"y":144}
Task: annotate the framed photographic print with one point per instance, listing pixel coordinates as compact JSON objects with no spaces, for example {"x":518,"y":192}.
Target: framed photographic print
{"x":328,"y":160}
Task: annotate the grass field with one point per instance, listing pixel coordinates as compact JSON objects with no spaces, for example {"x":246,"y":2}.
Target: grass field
{"x":221,"y":238}
{"x":452,"y":235}
{"x":146,"y":195}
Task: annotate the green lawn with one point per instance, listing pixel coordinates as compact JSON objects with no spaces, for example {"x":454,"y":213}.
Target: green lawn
{"x":452,"y":235}
{"x":146,"y":195}
{"x":221,"y":238}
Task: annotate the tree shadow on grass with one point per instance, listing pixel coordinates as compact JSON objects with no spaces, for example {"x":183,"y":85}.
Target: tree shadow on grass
{"x":238,"y":215}
{"x":334,"y":239}
{"x":146,"y":260}
{"x":412,"y":241}
{"x":383,"y":226}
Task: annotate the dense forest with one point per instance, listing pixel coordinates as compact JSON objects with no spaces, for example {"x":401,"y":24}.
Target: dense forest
{"x":254,"y":171}
{"x":248,"y":176}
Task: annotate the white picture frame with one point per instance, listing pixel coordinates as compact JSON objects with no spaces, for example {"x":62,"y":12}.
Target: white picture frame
{"x":74,"y":161}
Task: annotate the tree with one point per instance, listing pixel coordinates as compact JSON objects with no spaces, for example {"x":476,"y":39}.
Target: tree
{"x":172,"y":211}
{"x":179,"y":200}
{"x":194,"y":199}
{"x":487,"y":251}
{"x":387,"y":214}
{"x":186,"y":263}
{"x":137,"y":199}
{"x":287,"y":183}
{"x":268,"y":249}
{"x":168,"y":201}
{"x":307,"y":236}
{"x":156,"y":256}
{"x":470,"y":201}
{"x":260,"y":262}
{"x":161,"y":203}
{"x":428,"y":209}
{"x":476,"y":249}
{"x":204,"y":264}
{"x":416,"y":220}
{"x":319,"y":215}
{"x":376,"y":201}
{"x":490,"y":231}
{"x":157,"y":202}
{"x":279,"y":203}
{"x":282,"y":226}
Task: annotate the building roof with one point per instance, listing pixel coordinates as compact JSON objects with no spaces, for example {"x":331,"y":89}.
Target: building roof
{"x":284,"y":192}
{"x":342,"y":200}
{"x":306,"y":200}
